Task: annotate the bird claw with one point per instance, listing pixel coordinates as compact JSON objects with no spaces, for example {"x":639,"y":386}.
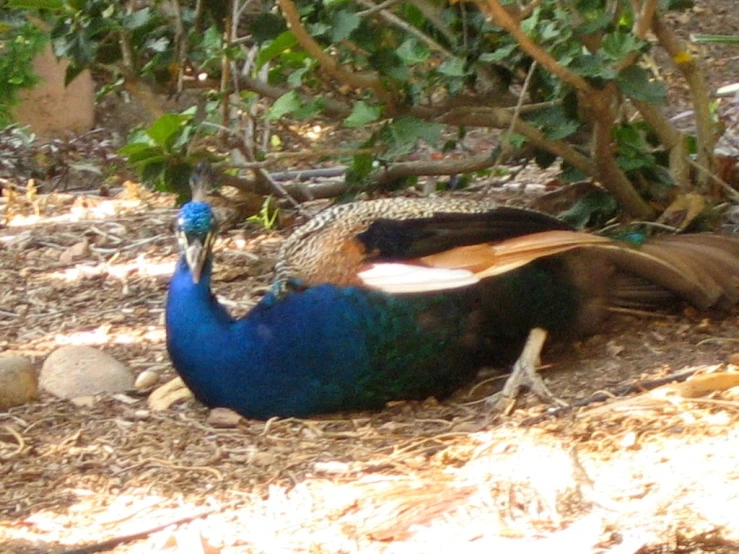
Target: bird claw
{"x":523,"y":375}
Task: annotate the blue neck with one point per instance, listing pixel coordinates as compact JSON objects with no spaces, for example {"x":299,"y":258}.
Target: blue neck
{"x":197,"y":326}
{"x":274,"y":361}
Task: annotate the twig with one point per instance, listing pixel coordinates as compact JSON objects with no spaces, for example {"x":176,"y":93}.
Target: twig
{"x":506,"y":139}
{"x":116,"y":541}
{"x":327,"y":62}
{"x":377,"y":7}
{"x":728,"y":189}
{"x":503,"y":19}
{"x":18,"y":438}
{"x":603,"y":396}
{"x":394,"y":20}
{"x":691,"y":69}
{"x":180,"y":44}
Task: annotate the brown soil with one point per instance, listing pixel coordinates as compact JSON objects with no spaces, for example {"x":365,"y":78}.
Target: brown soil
{"x":649,"y":474}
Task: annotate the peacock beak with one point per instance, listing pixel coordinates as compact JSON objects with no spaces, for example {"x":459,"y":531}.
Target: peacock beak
{"x":195,"y":256}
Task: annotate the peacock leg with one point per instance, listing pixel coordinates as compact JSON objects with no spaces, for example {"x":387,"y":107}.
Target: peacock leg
{"x":524,"y":375}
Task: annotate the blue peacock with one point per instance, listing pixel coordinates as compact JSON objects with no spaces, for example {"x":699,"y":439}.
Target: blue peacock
{"x":407,"y":298}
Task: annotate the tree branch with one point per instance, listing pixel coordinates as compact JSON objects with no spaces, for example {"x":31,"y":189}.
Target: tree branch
{"x":610,"y":175}
{"x":329,"y":64}
{"x":687,"y":64}
{"x":503,"y":19}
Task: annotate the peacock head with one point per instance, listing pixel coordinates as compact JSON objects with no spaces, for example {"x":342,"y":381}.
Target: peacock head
{"x":196,"y":232}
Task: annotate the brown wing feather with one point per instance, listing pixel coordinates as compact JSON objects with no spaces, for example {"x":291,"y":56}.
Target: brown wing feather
{"x":702,"y":269}
{"x":487,"y":260}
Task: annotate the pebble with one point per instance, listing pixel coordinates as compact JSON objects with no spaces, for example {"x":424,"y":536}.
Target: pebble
{"x":77,"y":250}
{"x":223,"y":418}
{"x":18,"y":381}
{"x":146,"y":380}
{"x":263,"y":459}
{"x":74,"y":371}
{"x":87,"y":401}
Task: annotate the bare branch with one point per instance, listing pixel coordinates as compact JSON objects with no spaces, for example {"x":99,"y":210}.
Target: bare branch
{"x":364,"y":80}
{"x":548,"y":62}
{"x":689,"y":67}
{"x":410,"y":29}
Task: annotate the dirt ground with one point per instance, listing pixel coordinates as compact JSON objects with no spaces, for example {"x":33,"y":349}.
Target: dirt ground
{"x":649,"y":473}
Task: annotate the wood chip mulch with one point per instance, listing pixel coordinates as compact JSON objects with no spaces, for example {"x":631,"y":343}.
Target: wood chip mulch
{"x":116,"y":476}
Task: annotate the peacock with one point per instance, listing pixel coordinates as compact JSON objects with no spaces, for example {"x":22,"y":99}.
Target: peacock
{"x":406,"y":298}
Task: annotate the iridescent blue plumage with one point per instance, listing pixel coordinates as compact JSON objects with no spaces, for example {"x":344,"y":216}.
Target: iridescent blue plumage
{"x":196,"y":219}
{"x":330,"y":338}
{"x":322,"y":349}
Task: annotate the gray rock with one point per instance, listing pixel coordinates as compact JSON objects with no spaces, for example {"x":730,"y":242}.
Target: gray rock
{"x":72,"y":371}
{"x":18,"y":381}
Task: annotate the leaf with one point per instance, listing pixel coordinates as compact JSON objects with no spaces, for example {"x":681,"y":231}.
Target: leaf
{"x":295,"y":79}
{"x":387,"y":61}
{"x":285,"y":104}
{"x":500,"y":54}
{"x":345,"y":22}
{"x":403,"y":134}
{"x":267,"y":26}
{"x":362,"y":114}
{"x":634,"y":82}
{"x":413,"y":52}
{"x":590,"y":209}
{"x":138,"y":19}
{"x":311,"y":109}
{"x":617,"y":46}
{"x":142,"y":156}
{"x":555,"y":123}
{"x":597,"y":23}
{"x":279,"y":45}
{"x":589,"y":65}
{"x":165,"y":127}
{"x":453,"y":67}
{"x":70,"y":74}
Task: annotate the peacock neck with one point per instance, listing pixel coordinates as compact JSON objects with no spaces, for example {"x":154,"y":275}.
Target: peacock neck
{"x":199,"y":329}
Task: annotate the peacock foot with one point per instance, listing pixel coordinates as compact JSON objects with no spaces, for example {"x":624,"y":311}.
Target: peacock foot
{"x":524,"y":376}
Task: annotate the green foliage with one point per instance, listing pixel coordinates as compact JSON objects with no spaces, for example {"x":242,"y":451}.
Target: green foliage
{"x":593,"y":209}
{"x":160,"y":153}
{"x":267,"y":216}
{"x":88,"y":32}
{"x":362,"y":114}
{"x":19,"y":44}
{"x":426,"y":57}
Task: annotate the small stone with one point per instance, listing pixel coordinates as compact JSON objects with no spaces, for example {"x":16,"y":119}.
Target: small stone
{"x":18,"y":381}
{"x":87,"y":401}
{"x":125,"y":399}
{"x":146,"y":380}
{"x":263,"y":459}
{"x":223,"y":418}
{"x":72,"y":371}
{"x":77,"y":250}
{"x":734,"y":359}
